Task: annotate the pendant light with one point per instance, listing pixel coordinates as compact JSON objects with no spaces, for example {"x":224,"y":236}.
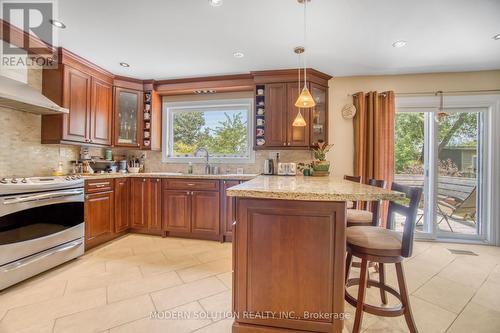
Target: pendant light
{"x":299,"y":120}
{"x":305,"y":100}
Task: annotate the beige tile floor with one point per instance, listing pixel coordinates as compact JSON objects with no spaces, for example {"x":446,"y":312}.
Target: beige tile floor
{"x":116,"y":287}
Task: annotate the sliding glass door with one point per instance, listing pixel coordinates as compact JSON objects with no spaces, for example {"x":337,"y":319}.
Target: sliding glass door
{"x":445,"y":154}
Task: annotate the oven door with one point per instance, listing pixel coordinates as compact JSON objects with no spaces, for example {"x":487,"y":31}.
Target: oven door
{"x":33,"y":223}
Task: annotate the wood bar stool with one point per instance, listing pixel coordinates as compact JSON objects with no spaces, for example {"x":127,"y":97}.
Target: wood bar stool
{"x":362,"y":217}
{"x":383,"y":246}
{"x":356,"y":179}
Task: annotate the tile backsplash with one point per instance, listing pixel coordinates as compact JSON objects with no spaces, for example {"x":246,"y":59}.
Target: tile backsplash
{"x":22,"y":154}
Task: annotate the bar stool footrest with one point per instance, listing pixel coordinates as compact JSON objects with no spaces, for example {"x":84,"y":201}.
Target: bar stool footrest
{"x":376,"y":310}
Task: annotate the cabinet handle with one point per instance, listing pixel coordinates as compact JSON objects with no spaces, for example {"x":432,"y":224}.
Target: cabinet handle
{"x":190,"y":184}
{"x":99,"y":184}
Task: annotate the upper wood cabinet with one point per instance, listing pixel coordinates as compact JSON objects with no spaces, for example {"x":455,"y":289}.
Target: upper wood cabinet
{"x":296,"y":136}
{"x":101,"y":112}
{"x":128,"y":118}
{"x":86,"y":91}
{"x":276,"y":108}
{"x":319,"y":114}
{"x":275,"y":115}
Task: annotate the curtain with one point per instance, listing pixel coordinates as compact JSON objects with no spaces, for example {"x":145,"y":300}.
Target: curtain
{"x":374,"y":137}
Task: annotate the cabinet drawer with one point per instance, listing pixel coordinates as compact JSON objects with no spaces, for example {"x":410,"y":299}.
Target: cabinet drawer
{"x":98,"y":185}
{"x":191,"y":184}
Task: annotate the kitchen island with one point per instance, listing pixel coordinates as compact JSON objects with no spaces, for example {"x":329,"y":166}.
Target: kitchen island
{"x":289,"y":252}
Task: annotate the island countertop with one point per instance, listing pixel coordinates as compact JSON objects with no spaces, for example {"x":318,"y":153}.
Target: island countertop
{"x":331,"y":188}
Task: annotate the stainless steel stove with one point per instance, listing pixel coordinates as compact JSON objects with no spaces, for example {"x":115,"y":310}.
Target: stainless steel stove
{"x":41,"y":225}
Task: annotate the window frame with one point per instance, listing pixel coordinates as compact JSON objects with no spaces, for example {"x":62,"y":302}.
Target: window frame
{"x":170,"y":108}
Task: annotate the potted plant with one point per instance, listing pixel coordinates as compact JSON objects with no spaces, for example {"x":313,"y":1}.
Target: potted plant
{"x":320,"y":166}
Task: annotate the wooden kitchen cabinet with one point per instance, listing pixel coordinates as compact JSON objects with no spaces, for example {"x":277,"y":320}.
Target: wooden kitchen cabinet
{"x":101,"y":112}
{"x":122,"y":204}
{"x":228,"y":210}
{"x":296,"y":136}
{"x":128,"y":117}
{"x":191,"y":208}
{"x":99,"y":218}
{"x":146,"y":205}
{"x":177,"y":210}
{"x":205,"y":218}
{"x":154,"y":205}
{"x":275,"y":115}
{"x":319,"y":115}
{"x":278,"y":110}
{"x":84,"y":89}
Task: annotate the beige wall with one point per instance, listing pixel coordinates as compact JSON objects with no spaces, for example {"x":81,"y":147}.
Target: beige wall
{"x":341,"y":130}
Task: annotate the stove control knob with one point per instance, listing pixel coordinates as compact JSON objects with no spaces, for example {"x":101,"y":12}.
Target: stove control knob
{"x":3,"y":181}
{"x":68,"y":178}
{"x":24,"y":180}
{"x":73,"y":177}
{"x":14,"y":181}
{"x":78,"y":176}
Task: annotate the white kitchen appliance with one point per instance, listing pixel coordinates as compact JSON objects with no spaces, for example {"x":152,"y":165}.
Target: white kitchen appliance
{"x":41,"y":225}
{"x":287,"y":169}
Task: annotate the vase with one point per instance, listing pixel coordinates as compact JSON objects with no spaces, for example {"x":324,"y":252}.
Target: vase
{"x":321,"y":168}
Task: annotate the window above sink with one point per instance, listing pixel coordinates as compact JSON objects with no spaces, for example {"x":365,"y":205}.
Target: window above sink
{"x":223,"y":127}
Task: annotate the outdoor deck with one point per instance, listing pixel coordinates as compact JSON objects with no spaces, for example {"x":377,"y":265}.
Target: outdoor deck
{"x":452,"y":190}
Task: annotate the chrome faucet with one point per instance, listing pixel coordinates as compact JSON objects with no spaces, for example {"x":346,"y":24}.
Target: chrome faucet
{"x":207,"y":165}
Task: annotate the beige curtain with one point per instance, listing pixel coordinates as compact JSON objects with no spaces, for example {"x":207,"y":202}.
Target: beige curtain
{"x":374,"y":137}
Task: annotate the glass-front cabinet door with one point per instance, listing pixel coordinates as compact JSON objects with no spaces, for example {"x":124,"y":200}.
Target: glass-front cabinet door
{"x":319,"y":114}
{"x":128,"y":113}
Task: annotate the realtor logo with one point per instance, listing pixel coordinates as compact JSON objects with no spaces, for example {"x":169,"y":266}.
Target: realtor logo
{"x":28,"y":33}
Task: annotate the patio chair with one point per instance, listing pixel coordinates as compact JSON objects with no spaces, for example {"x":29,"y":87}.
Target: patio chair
{"x":461,"y":211}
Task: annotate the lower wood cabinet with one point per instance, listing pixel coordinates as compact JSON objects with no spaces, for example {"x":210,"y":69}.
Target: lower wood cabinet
{"x":191,"y":213}
{"x":176,"y":207}
{"x":177,"y":210}
{"x":122,"y":204}
{"x":153,"y":204}
{"x":145,"y":198}
{"x":99,"y":218}
{"x":205,"y":218}
{"x":228,"y":210}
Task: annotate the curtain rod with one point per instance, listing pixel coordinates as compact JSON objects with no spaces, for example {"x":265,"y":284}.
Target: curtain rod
{"x":484,"y":91}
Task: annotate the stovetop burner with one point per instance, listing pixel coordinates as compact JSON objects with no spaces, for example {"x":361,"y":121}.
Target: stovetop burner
{"x":38,"y":184}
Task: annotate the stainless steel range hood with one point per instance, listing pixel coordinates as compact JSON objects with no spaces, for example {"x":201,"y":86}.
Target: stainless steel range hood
{"x":20,"y":96}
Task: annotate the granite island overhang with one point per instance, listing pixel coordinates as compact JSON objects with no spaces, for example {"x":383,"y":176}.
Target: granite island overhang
{"x":289,"y":252}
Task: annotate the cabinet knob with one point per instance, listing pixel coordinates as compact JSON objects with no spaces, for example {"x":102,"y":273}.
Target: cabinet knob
{"x":143,"y":179}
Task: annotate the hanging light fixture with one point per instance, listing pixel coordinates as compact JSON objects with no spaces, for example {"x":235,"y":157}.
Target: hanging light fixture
{"x":305,"y":100}
{"x":299,"y":120}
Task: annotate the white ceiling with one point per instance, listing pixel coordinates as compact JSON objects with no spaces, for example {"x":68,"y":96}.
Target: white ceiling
{"x":164,"y":39}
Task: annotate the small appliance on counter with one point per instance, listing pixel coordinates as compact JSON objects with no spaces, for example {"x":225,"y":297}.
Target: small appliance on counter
{"x":287,"y":169}
{"x":268,"y":167}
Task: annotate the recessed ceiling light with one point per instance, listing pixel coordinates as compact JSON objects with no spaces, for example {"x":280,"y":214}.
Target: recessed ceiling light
{"x":496,"y":37}
{"x":124,"y":64}
{"x":238,"y":54}
{"x":215,"y":3}
{"x":399,"y":43}
{"x":58,"y":24}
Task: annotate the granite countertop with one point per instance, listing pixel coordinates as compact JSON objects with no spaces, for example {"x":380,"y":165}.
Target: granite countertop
{"x":310,"y":189}
{"x":234,"y":176}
